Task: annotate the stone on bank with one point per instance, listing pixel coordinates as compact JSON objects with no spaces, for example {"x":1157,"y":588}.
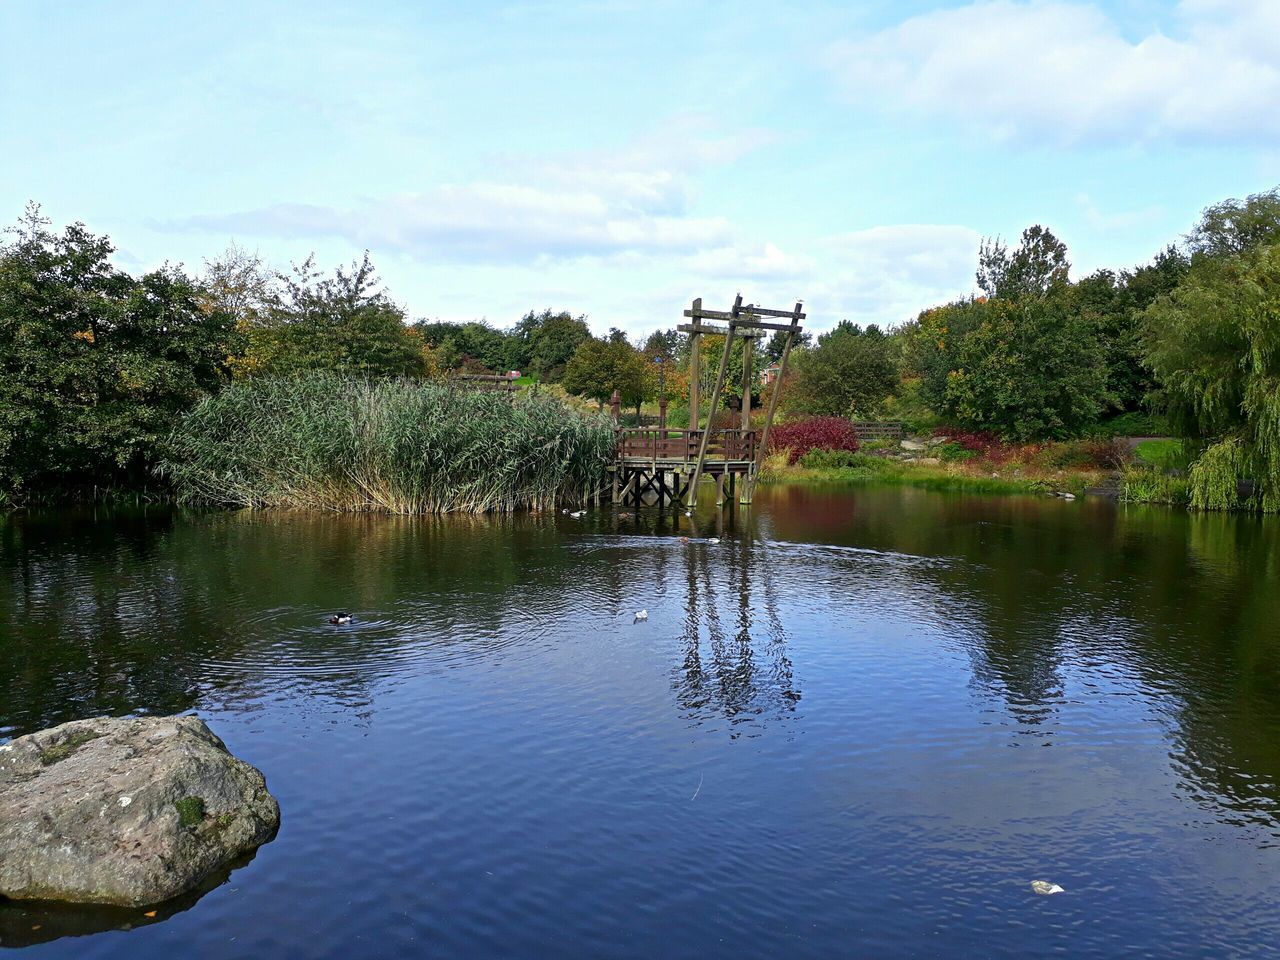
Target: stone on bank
{"x":128,"y":810}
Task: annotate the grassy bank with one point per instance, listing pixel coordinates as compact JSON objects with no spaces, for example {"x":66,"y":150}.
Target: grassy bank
{"x":326,"y":442}
{"x":961,"y":476}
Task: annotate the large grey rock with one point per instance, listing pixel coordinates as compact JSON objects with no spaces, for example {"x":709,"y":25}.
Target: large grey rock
{"x":915,"y":446}
{"x":127,"y":811}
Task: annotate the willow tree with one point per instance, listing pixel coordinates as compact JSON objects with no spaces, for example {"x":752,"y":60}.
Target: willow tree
{"x":1214,"y":344}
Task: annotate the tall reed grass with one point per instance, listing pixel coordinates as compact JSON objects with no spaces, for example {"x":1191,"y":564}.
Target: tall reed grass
{"x":327,"y":442}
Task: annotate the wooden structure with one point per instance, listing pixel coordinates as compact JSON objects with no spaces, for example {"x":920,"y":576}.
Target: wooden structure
{"x":500,"y":382}
{"x":879,"y":429}
{"x":664,"y":466}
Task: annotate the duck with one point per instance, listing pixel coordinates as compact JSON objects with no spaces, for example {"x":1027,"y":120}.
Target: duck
{"x":340,"y":618}
{"x":713,"y":540}
{"x":684,"y":539}
{"x":641,"y":615}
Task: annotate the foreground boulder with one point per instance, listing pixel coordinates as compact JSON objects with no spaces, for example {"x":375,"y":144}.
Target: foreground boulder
{"x":129,"y":811}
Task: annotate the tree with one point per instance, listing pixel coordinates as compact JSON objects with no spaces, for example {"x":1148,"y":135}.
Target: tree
{"x":1039,"y":263}
{"x":847,"y":373}
{"x":1027,"y":369}
{"x":547,"y":340}
{"x":1234,"y":227}
{"x":1214,"y":345}
{"x":95,"y":365}
{"x":599,"y":367}
{"x":774,"y":346}
{"x":475,"y":345}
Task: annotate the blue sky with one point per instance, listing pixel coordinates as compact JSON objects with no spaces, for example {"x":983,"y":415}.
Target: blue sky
{"x":619,"y":158}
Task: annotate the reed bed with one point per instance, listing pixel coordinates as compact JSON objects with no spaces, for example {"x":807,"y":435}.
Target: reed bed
{"x":327,"y":442}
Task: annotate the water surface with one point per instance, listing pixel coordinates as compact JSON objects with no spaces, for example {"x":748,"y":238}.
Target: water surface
{"x":859,"y":725}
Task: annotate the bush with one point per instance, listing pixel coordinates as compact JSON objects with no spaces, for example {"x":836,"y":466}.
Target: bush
{"x":814,"y":433}
{"x":839,"y":460}
{"x":953,"y":452}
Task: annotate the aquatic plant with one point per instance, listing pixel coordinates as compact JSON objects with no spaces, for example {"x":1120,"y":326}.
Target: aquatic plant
{"x":328,"y":442}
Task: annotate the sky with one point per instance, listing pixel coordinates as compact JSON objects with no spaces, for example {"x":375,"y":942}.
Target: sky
{"x":617,"y":158}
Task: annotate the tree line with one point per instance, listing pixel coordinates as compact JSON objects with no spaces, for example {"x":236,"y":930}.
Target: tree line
{"x":96,"y":365}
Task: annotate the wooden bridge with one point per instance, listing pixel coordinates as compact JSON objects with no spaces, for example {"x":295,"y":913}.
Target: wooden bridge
{"x":663,"y":466}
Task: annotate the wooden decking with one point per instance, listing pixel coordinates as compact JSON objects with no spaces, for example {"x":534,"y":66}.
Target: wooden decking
{"x":655,"y":466}
{"x":666,"y":465}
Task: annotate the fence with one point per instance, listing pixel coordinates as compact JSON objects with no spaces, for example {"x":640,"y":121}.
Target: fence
{"x":878,"y":429}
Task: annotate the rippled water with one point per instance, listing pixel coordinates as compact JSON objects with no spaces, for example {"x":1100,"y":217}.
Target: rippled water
{"x":859,"y":725}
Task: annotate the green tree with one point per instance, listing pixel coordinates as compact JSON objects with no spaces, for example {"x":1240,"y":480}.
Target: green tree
{"x":1027,"y":368}
{"x":547,"y":340}
{"x":343,"y":322}
{"x":775,"y":344}
{"x":475,"y":345}
{"x":95,"y":365}
{"x":599,"y":367}
{"x":1038,"y":263}
{"x":1214,"y":345}
{"x":848,"y":372}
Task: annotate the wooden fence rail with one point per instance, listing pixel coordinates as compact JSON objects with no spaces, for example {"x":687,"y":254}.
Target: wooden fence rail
{"x":878,"y":429}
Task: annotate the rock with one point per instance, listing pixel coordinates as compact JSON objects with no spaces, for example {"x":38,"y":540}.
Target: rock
{"x":915,"y":446}
{"x":127,"y":811}
{"x":1045,"y":888}
{"x":929,"y":461}
{"x":938,"y":441}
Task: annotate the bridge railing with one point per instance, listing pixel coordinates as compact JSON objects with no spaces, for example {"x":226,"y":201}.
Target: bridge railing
{"x":654,"y":443}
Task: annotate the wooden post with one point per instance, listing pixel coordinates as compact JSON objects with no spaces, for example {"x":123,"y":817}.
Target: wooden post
{"x":773,"y":398}
{"x":615,"y":407}
{"x":715,"y":402}
{"x":747,"y":344}
{"x":662,"y":417}
{"x":695,"y":370}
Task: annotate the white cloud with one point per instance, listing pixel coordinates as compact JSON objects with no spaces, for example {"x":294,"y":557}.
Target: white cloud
{"x":530,"y":210}
{"x":888,"y":274}
{"x":1065,"y":72}
{"x":489,"y":223}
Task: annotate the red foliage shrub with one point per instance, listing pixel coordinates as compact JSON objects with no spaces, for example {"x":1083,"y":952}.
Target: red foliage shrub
{"x":985,"y":445}
{"x":815,"y":433}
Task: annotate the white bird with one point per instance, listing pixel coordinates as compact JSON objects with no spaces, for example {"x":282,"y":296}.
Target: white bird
{"x":340,"y":618}
{"x":577,"y":515}
{"x":641,"y":615}
{"x":713,"y":540}
{"x":1045,"y":888}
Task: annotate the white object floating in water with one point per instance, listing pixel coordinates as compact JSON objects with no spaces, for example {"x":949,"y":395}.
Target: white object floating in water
{"x":1045,"y":888}
{"x":641,"y":615}
{"x":713,"y":540}
{"x":578,"y":514}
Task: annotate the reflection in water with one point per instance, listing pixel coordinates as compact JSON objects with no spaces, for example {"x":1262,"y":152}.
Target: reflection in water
{"x":732,"y":677}
{"x":496,"y":760}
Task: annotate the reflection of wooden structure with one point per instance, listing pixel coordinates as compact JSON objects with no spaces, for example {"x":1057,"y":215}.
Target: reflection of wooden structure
{"x":667,"y":465}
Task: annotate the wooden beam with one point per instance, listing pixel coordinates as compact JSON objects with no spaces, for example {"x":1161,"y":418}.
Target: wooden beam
{"x":744,"y":315}
{"x":715,"y":331}
{"x":715,"y":402}
{"x":773,"y":399}
{"x":695,"y":367}
{"x":766,"y":312}
{"x":760,"y":325}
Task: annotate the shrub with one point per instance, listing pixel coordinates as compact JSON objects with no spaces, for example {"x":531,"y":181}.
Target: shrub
{"x":814,"y":433}
{"x":819,"y":459}
{"x":953,"y":452}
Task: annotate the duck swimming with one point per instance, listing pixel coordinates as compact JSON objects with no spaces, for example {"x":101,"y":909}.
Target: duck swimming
{"x":340,"y":618}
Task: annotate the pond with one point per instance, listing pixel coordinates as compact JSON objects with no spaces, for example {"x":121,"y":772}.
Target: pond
{"x":858,"y":725}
